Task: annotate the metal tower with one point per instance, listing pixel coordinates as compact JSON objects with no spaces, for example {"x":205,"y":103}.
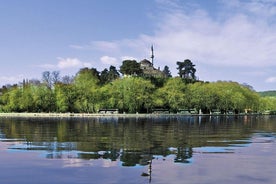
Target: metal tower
{"x":152,"y":55}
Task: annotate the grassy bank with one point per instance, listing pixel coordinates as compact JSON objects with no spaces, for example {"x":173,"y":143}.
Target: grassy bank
{"x":87,"y":115}
{"x":67,"y":115}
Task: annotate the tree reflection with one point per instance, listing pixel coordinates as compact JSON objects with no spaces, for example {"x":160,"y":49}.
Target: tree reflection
{"x":132,"y":141}
{"x":130,"y":158}
{"x":183,"y":155}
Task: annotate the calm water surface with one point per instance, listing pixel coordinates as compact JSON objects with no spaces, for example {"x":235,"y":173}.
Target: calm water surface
{"x":174,"y":149}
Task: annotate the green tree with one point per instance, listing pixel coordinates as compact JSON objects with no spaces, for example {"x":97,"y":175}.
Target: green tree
{"x":67,"y":79}
{"x":252,"y":98}
{"x":65,"y":97}
{"x":44,"y":99}
{"x":27,"y":100}
{"x":113,"y":73}
{"x":267,"y":103}
{"x":223,"y":96}
{"x":86,"y":83}
{"x":109,"y":75}
{"x":131,"y":94}
{"x":104,"y":76}
{"x":11,"y":100}
{"x":167,"y":71}
{"x":186,"y":69}
{"x":112,"y":96}
{"x":197,"y":96}
{"x":130,"y":67}
{"x":172,"y":95}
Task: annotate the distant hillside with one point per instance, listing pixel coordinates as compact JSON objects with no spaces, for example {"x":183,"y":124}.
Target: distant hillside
{"x":267,"y":93}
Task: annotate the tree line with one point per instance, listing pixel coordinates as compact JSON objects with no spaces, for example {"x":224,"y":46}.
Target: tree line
{"x":90,"y":90}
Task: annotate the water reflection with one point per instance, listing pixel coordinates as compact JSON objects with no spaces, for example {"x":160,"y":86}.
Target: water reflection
{"x":134,"y":141}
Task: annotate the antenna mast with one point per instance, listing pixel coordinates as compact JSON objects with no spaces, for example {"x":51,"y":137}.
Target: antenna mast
{"x":152,"y":55}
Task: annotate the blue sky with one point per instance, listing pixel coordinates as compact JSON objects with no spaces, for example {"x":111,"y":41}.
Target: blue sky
{"x":226,"y":40}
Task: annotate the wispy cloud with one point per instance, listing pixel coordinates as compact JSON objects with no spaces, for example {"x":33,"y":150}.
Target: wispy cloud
{"x":98,"y":45}
{"x":109,"y":60}
{"x":271,"y":80}
{"x":234,"y":39}
{"x":64,"y":63}
{"x":128,"y":58}
{"x":259,"y":8}
{"x":238,"y":35}
{"x":237,"y":40}
{"x":11,"y":79}
{"x":67,"y":63}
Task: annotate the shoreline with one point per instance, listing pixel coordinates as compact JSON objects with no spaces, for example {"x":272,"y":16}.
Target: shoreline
{"x":76,"y":115}
{"x":98,"y":115}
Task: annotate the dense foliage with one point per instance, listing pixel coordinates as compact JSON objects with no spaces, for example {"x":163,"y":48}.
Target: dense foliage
{"x":268,"y":101}
{"x":90,"y":91}
{"x":130,"y":95}
{"x":268,"y":93}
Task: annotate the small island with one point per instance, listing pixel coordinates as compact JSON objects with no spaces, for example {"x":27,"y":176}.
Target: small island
{"x":136,"y":88}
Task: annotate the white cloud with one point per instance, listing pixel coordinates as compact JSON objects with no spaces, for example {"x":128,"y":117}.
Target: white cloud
{"x":263,"y":8}
{"x":78,"y":47}
{"x":47,"y":66}
{"x":98,"y":45}
{"x":109,"y":60}
{"x":64,"y":63}
{"x":271,"y":80}
{"x":105,"y":45}
{"x":67,"y":63}
{"x":235,"y":42}
{"x":253,"y":73}
{"x":11,"y":79}
{"x":234,"y":39}
{"x":128,"y":58}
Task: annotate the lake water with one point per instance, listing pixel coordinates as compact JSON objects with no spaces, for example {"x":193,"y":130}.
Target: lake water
{"x":158,"y":150}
